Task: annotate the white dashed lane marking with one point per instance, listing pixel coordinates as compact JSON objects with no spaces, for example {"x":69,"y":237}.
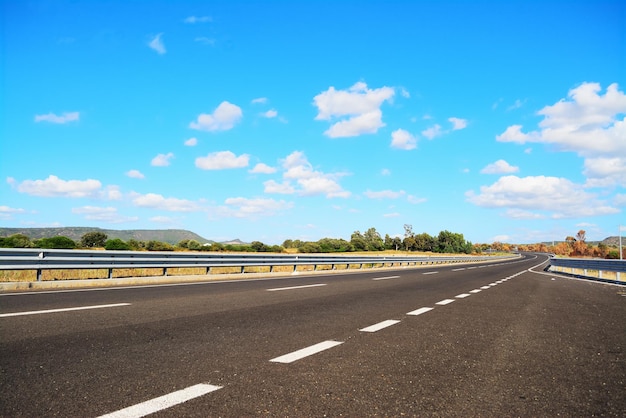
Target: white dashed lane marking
{"x":462,"y":295}
{"x":386,"y":278}
{"x":163,"y":402}
{"x":431,"y":272}
{"x":420,"y":311}
{"x":47,"y":311}
{"x":444,"y":302}
{"x":295,"y":287}
{"x":380,"y":325}
{"x":305,"y":352}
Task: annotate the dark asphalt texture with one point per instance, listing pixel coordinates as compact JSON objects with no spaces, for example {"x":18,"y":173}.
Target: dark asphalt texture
{"x":535,"y":345}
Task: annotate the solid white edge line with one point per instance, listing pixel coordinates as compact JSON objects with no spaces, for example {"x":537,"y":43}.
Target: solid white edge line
{"x":276,"y":289}
{"x":444,"y":302}
{"x":79,"y":308}
{"x":163,"y":402}
{"x":420,"y":311}
{"x":380,"y":325}
{"x":305,"y":352}
{"x":386,"y":278}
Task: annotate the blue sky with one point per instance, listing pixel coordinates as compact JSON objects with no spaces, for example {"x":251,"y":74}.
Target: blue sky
{"x":504,"y":121}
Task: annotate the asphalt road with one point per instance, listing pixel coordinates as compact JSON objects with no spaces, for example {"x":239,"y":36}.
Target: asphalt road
{"x":496,"y":340}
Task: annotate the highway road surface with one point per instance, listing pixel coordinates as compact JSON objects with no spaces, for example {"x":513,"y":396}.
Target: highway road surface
{"x":495,"y":340}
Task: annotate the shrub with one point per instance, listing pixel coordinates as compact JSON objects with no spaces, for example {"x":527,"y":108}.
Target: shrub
{"x":60,"y":242}
{"x":116,"y":244}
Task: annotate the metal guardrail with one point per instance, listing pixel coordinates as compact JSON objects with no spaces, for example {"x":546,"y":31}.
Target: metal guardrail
{"x":587,"y":264}
{"x":44,"y":259}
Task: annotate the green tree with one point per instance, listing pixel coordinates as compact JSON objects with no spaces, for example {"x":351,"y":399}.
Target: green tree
{"x":358,"y":241}
{"x":309,"y":247}
{"x":59,"y":242}
{"x":159,"y":246}
{"x":259,"y":247}
{"x":136,"y":245}
{"x":93,"y":239}
{"x":374,"y":240}
{"x":116,"y":244}
{"x":15,"y":241}
{"x":194,"y":245}
{"x":424,"y":242}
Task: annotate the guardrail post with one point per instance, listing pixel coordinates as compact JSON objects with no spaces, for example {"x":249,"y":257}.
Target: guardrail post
{"x":165,"y":271}
{"x":271,"y":268}
{"x":600,"y":274}
{"x":38,"y":275}
{"x":208,"y":270}
{"x":295,"y":268}
{"x":110,"y":273}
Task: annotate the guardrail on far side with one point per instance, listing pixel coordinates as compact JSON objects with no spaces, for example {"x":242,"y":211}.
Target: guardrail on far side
{"x":587,"y":266}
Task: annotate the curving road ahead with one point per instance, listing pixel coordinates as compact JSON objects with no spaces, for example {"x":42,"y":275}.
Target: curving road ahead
{"x":495,"y":340}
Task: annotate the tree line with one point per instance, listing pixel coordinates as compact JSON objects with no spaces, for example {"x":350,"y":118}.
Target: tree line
{"x":370,"y":240}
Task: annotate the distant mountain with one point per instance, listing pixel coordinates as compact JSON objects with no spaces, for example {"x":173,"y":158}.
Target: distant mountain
{"x":613,"y":241}
{"x":171,"y":236}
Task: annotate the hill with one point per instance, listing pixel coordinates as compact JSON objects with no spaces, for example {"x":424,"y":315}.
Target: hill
{"x":613,"y":241}
{"x":171,"y":236}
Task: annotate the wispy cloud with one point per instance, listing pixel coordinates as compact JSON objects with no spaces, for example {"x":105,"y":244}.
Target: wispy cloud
{"x":191,"y":142}
{"x":157,"y":44}
{"x":198,"y":19}
{"x":53,"y":118}
{"x":162,"y":160}
{"x":135,"y":174}
{"x":499,"y":167}
{"x":222,"y":160}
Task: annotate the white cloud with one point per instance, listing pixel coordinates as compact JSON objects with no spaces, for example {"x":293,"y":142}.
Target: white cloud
{"x":108,"y":214}
{"x":271,"y":186}
{"x":56,"y":187}
{"x":523,"y":214}
{"x":586,"y":122}
{"x":270,"y":114}
{"x":198,"y":19}
{"x":225,"y":116}
{"x":415,"y":200}
{"x":135,"y":174}
{"x":222,"y":160}
{"x":162,"y":160}
{"x":404,"y":92}
{"x":204,"y":40}
{"x":384,"y":194}
{"x":259,"y":100}
{"x":358,"y":109}
{"x":432,"y":132}
{"x":191,"y":142}
{"x":605,"y":171}
{"x":157,"y":201}
{"x":6,"y":212}
{"x":391,"y":215}
{"x":53,"y":118}
{"x":402,"y":139}
{"x":162,"y":219}
{"x":385,"y":172}
{"x":157,"y":44}
{"x":518,"y":103}
{"x":458,"y":123}
{"x":311,"y":182}
{"x":241,"y":207}
{"x":499,"y":167}
{"x":261,"y":168}
{"x":552,"y":194}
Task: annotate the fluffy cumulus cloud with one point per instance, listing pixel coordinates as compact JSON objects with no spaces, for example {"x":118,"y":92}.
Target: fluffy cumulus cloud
{"x":402,"y":139}
{"x":156,"y":43}
{"x":270,"y":114}
{"x":432,"y":132}
{"x":222,"y":160}
{"x":589,"y":123}
{"x":162,"y":160}
{"x":157,"y":201}
{"x":261,"y":168}
{"x":355,"y":111}
{"x":533,"y":195}
{"x":191,"y":142}
{"x":100,"y":214}
{"x":135,"y":174}
{"x":56,"y":187}
{"x":299,"y":177}
{"x":458,"y":123}
{"x":241,"y":207}
{"x":59,"y":119}
{"x":499,"y":167}
{"x":223,"y":118}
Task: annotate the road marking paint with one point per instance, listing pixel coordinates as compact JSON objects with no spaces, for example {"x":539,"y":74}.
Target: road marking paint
{"x":462,"y":295}
{"x":493,"y":284}
{"x":500,"y":281}
{"x":386,"y":278}
{"x":305,"y":352}
{"x":79,"y":308}
{"x":380,"y":325}
{"x":475,"y":291}
{"x":485,"y":287}
{"x":470,"y":268}
{"x":459,"y":269}
{"x":276,"y":289}
{"x":163,"y":402}
{"x":420,"y":311}
{"x":431,"y":272}
{"x":444,"y":302}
